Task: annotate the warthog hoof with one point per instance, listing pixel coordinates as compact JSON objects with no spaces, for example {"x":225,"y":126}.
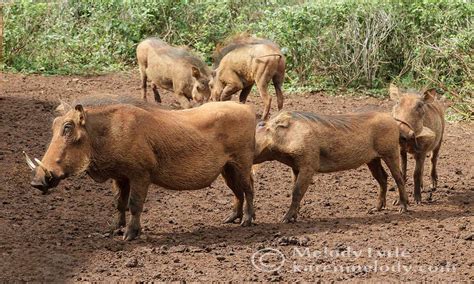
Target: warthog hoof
{"x":374,"y":209}
{"x":131,"y":233}
{"x":289,"y":217}
{"x":246,"y":221}
{"x":430,"y":197}
{"x":403,"y":209}
{"x":232,"y":217}
{"x":118,"y":223}
{"x":418,"y":198}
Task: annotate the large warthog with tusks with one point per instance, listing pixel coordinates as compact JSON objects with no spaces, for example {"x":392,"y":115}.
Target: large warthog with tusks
{"x":311,"y":143}
{"x":136,"y":147}
{"x":421,"y":121}
{"x":246,"y":61}
{"x":174,"y":69}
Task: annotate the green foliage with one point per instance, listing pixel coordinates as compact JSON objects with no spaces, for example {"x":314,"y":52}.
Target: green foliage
{"x":344,"y":44}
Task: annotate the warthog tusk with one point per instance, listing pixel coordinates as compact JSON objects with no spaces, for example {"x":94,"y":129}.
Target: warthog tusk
{"x":48,"y":174}
{"x":29,"y":162}
{"x":40,"y":163}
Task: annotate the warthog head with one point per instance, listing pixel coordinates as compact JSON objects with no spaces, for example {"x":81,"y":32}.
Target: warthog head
{"x":269,"y":135}
{"x":201,"y":91}
{"x":216,"y":87}
{"x":68,"y":153}
{"x":410,"y":110}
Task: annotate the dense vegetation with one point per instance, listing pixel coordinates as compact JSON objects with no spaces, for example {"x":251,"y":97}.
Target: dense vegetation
{"x":329,"y":45}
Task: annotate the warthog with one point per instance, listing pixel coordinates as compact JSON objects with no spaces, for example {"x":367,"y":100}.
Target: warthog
{"x":177,"y":150}
{"x":421,"y":120}
{"x":311,"y":143}
{"x":246,"y":61}
{"x":174,"y":69}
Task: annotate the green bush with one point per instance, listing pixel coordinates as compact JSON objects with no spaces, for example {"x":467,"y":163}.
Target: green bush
{"x":332,"y":45}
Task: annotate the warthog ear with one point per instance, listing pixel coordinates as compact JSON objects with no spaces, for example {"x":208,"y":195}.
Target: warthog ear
{"x":429,"y":95}
{"x":63,"y":107}
{"x":394,"y":92}
{"x":196,"y":73}
{"x":82,"y":114}
{"x":282,"y":121}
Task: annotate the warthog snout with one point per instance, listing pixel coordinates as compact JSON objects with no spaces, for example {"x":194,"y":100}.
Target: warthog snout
{"x":43,"y":179}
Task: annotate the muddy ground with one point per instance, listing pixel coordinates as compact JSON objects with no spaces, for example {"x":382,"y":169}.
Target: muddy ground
{"x":64,"y":235}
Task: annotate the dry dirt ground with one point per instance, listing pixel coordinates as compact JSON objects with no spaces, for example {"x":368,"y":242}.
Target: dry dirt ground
{"x":63,"y":236}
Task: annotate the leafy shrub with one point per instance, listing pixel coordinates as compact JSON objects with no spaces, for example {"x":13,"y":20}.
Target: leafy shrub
{"x":329,"y":45}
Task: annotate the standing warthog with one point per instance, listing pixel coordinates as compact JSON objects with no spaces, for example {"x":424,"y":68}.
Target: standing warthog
{"x":178,"y":150}
{"x":244,"y":62}
{"x":174,"y":69}
{"x":421,"y":121}
{"x":311,"y":143}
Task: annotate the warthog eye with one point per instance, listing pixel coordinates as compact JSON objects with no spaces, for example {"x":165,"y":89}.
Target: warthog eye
{"x":67,"y":128}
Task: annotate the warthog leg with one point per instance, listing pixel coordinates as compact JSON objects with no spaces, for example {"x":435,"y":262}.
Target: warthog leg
{"x":249,"y":211}
{"x":245,"y":93}
{"x":277,"y":83}
{"x":375,"y":167}
{"x":303,"y":179}
{"x":138,"y":192}
{"x":434,"y":173}
{"x":232,"y":181}
{"x":403,"y":156}
{"x":262,"y":87}
{"x":241,"y":183}
{"x":144,"y":79}
{"x":154,"y":88}
{"x":229,"y":90}
{"x":418,"y":176}
{"x":122,"y":192}
{"x":393,"y":163}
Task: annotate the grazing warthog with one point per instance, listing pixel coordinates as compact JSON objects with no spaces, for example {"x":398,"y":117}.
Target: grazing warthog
{"x":246,"y":61}
{"x":311,"y":143}
{"x":174,"y":69}
{"x":421,"y":120}
{"x":177,"y":150}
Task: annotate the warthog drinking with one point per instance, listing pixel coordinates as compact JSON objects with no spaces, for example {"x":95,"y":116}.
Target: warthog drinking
{"x":246,"y":61}
{"x":421,"y":121}
{"x":311,"y":143}
{"x":174,"y":69}
{"x":178,"y":150}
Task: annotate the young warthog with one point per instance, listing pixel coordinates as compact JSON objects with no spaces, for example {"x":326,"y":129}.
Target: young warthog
{"x":311,"y":143}
{"x":178,"y":150}
{"x":421,"y":122}
{"x":174,"y":69}
{"x":244,"y":62}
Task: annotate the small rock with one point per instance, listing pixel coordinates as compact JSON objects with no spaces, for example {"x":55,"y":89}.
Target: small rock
{"x":220,"y":258}
{"x":132,"y":262}
{"x":178,"y":249}
{"x":440,"y":226}
{"x":469,"y":237}
{"x":340,"y":247}
{"x":458,"y":172}
{"x":462,"y":227}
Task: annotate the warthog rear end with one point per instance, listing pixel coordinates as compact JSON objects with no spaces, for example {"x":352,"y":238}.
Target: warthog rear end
{"x":311,"y":143}
{"x":178,"y":150}
{"x":244,"y":62}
